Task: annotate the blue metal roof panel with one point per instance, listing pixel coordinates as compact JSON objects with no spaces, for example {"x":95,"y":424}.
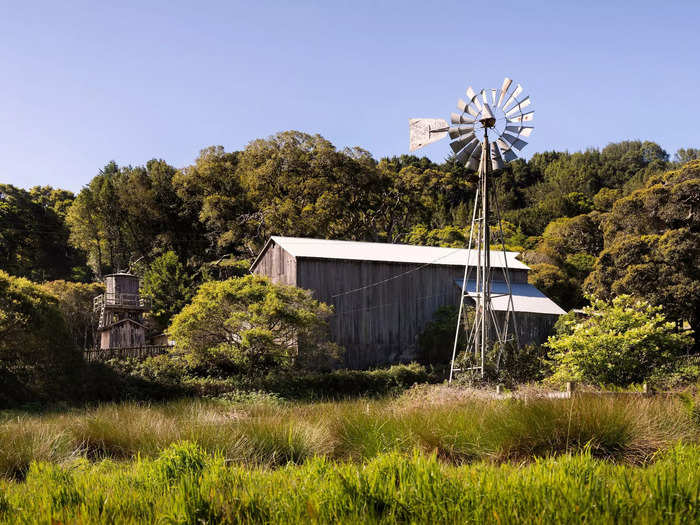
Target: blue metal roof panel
{"x":526,"y":298}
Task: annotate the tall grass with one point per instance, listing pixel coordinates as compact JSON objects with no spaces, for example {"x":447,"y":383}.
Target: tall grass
{"x":186,"y":485}
{"x":457,"y":428}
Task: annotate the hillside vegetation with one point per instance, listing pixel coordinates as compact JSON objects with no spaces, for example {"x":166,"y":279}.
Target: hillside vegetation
{"x":622,"y":220}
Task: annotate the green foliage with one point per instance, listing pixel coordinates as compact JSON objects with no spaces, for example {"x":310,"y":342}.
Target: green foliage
{"x":554,"y":283}
{"x":169,"y":286}
{"x":684,"y":155}
{"x":616,"y":343}
{"x":250,"y":324}
{"x":436,"y":342}
{"x":75,"y":301}
{"x":34,"y":235}
{"x":655,"y":258}
{"x":180,"y":459}
{"x":35,"y":343}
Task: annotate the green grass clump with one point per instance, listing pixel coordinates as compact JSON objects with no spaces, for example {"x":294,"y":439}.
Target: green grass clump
{"x":390,"y":488}
{"x":457,"y":426}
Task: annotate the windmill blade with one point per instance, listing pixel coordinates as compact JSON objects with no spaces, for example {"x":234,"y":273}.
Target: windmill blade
{"x":514,"y":141}
{"x":494,"y":96}
{"x":519,"y":106}
{"x":473,"y":162}
{"x":513,"y":96}
{"x":464,"y":154}
{"x":504,"y":89}
{"x":508,"y":154}
{"x":496,"y":159}
{"x":473,"y":98}
{"x":424,"y":131}
{"x":458,"y":131}
{"x":458,"y":144}
{"x":456,"y":118}
{"x":464,"y":107}
{"x":524,"y":131}
{"x":484,"y":96}
{"x":523,"y":117}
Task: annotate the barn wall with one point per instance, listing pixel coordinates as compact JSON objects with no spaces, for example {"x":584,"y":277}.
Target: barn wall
{"x":532,"y":327}
{"x":379,"y":325}
{"x":278,"y":265}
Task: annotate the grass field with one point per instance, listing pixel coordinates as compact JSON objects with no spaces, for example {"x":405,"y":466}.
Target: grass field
{"x":433,"y":454}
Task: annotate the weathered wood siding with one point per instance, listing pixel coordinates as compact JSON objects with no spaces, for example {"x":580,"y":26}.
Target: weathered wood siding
{"x":278,"y":265}
{"x":532,"y":327}
{"x":127,"y":284}
{"x":380,"y":325}
{"x":121,"y":335}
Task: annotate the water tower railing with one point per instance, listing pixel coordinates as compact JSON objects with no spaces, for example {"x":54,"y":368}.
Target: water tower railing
{"x":121,"y":299}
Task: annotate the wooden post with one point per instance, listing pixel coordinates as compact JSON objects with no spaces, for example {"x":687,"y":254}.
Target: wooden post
{"x":570,"y":387}
{"x":499,"y":389}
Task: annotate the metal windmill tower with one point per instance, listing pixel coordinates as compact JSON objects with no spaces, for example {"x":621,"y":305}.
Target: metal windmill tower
{"x":485,"y":133}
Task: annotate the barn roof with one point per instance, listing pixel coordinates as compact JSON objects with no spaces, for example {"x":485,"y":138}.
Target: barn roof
{"x":526,"y":298}
{"x":384,"y":252}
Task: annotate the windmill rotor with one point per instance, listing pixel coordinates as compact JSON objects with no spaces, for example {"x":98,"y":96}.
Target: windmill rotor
{"x":498,"y":115}
{"x":486,"y":134}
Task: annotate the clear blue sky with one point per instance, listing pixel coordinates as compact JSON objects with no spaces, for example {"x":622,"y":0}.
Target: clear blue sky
{"x":85,"y":83}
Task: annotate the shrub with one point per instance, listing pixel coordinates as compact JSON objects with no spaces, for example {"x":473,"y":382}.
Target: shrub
{"x":36,"y":350}
{"x":180,"y":459}
{"x":436,"y":342}
{"x":616,"y":343}
{"x":75,"y":301}
{"x":251,"y":325}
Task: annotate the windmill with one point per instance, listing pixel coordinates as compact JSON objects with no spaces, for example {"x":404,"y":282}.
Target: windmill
{"x":489,"y":127}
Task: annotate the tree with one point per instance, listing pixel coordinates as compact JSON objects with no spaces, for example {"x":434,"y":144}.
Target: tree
{"x":75,"y":300}
{"x":211,"y":192}
{"x":300,"y":185}
{"x":34,"y":236}
{"x":684,"y":155}
{"x":169,"y":286}
{"x":251,"y":325}
{"x":617,"y":343}
{"x":652,"y":245}
{"x":129,"y":213}
{"x":554,"y":283}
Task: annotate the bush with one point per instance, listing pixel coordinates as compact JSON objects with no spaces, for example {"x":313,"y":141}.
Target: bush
{"x":250,"y":325}
{"x":75,"y":301}
{"x":36,"y":350}
{"x":616,"y":343}
{"x":436,"y":342}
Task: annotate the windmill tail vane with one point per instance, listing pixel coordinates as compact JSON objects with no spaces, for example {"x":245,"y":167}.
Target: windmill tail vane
{"x":488,"y":129}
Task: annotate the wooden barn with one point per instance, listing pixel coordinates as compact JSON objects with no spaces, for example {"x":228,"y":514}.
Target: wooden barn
{"x":384,"y":294}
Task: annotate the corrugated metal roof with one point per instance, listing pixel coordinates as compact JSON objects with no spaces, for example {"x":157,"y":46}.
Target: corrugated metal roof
{"x":526,"y":298}
{"x":384,"y":252}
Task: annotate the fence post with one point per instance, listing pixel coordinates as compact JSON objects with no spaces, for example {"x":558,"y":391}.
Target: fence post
{"x":570,"y":387}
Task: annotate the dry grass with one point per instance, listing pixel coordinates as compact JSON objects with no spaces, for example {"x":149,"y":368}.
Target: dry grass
{"x":459,"y":425}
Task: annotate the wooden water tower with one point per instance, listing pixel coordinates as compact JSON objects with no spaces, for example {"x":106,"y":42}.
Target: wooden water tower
{"x":121,"y":310}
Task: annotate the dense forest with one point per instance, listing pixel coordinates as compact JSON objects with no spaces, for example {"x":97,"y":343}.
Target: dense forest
{"x":621,"y":219}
